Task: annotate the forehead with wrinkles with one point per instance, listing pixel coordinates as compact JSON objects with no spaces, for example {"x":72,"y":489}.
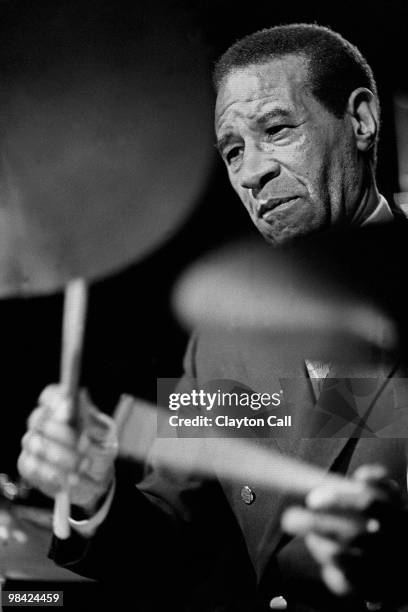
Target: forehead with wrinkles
{"x":283,"y":81}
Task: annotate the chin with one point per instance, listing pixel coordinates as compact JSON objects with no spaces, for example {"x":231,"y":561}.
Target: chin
{"x":283,"y":234}
{"x":286,"y":236}
{"x":279,"y":240}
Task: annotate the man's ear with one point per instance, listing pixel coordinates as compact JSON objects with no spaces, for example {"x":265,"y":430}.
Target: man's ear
{"x":363,"y":109}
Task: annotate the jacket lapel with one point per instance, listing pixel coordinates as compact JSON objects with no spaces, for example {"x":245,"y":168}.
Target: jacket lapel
{"x":316,"y":435}
{"x":321,"y":429}
{"x":311,"y":419}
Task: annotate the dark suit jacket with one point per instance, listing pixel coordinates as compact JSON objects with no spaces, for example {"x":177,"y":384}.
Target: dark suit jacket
{"x":196,"y":539}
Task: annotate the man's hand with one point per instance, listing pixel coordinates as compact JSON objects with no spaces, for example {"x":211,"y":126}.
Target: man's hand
{"x":53,"y":454}
{"x":357,"y":533}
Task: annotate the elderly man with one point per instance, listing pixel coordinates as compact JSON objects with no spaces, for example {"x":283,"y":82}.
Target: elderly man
{"x":297,"y":120}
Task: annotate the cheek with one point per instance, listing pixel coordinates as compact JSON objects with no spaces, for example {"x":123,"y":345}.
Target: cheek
{"x":303,"y":164}
{"x":313,"y":152}
{"x":243,"y":194}
{"x":246,"y":201}
{"x":299,"y":153}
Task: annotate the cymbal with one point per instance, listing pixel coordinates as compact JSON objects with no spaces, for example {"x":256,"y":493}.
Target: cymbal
{"x":26,"y":557}
{"x":106,"y":138}
{"x":336,"y":296}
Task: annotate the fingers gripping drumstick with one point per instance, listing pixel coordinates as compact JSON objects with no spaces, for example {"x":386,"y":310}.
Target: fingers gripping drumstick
{"x":75,"y":304}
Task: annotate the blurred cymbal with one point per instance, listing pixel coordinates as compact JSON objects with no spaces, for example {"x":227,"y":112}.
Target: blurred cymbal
{"x":24,"y":555}
{"x":334,"y":296}
{"x":105,"y":118}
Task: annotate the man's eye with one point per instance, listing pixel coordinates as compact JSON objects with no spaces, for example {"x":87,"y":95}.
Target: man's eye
{"x":277,"y":130}
{"x":233,"y":154}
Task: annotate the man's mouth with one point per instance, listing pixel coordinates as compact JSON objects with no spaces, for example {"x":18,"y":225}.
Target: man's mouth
{"x":266,"y":206}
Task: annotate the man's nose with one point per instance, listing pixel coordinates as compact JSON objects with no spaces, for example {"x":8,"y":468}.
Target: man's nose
{"x":258,"y":169}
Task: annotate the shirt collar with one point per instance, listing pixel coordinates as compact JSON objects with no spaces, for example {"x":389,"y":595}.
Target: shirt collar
{"x":381,"y":213}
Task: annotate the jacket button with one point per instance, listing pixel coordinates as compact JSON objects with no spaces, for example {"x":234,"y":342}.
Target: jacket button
{"x":373,"y":606}
{"x":278,"y":603}
{"x":247,"y":495}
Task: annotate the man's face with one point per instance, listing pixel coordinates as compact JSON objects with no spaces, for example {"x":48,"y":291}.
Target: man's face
{"x":294,"y":165}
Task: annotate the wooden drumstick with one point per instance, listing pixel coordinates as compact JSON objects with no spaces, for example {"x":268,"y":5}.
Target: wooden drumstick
{"x":235,"y":459}
{"x":75,"y":305}
{"x":243,"y":461}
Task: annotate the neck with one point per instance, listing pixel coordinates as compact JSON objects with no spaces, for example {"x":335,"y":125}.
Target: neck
{"x":368,"y":201}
